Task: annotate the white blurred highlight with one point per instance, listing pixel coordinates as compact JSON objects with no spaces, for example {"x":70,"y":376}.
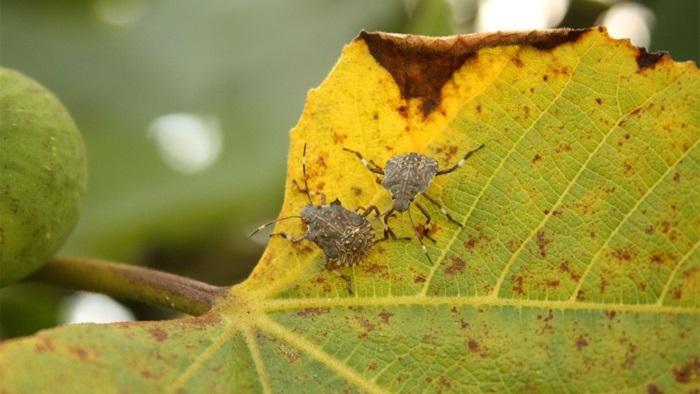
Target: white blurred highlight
{"x":120,"y":12}
{"x":187,"y":143}
{"x":83,"y":307}
{"x":520,"y":14}
{"x":629,"y":20}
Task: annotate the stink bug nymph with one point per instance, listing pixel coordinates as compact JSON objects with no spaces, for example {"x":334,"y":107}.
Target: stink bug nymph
{"x":345,"y":237}
{"x":406,"y":177}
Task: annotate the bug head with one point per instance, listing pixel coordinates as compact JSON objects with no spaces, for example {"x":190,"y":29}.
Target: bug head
{"x":309,"y":212}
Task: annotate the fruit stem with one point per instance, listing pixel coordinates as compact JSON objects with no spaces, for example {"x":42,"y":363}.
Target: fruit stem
{"x":130,"y":282}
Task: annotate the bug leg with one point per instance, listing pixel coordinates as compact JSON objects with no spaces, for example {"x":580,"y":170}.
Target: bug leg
{"x":369,"y":164}
{"x":344,"y":277}
{"x":459,"y":164}
{"x":289,"y":237}
{"x":420,"y":239}
{"x":388,"y":232}
{"x":368,"y":210}
{"x":427,"y":222}
{"x":310,"y":192}
{"x":442,"y":209}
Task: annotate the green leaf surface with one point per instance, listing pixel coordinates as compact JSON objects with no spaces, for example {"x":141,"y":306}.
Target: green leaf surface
{"x":575,"y":269}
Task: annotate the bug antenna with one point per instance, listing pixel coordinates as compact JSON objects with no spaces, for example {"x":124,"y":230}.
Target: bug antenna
{"x":272,"y":222}
{"x":303,"y":170}
{"x":413,"y":226}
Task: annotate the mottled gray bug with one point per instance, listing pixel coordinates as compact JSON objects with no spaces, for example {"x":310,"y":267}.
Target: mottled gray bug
{"x":406,"y":177}
{"x":345,"y":237}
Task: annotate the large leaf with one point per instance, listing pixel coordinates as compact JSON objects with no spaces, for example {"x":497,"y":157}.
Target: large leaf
{"x":576,"y":269}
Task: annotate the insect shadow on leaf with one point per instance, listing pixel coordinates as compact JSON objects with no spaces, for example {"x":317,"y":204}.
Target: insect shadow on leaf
{"x":407,"y":177}
{"x":345,"y":237}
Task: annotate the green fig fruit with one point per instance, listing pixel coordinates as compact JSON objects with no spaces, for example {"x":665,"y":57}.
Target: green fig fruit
{"x":43,"y":174}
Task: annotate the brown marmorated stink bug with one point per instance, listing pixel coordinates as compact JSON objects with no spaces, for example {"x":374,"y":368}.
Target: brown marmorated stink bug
{"x":345,"y":237}
{"x":406,"y":177}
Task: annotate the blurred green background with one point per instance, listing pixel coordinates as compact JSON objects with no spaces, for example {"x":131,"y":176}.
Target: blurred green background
{"x":237,"y":72}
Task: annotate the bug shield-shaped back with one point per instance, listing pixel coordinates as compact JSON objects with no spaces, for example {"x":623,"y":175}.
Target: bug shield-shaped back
{"x":344,"y":236}
{"x":407,"y":176}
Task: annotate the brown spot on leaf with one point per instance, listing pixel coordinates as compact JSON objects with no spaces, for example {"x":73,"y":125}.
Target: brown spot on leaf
{"x":622,"y":254}
{"x":565,"y":267}
{"x":79,"y":352}
{"x":599,"y":100}
{"x":451,"y":152}
{"x":676,"y":293}
{"x":403,"y":111}
{"x":385,"y":315}
{"x":553,"y":283}
{"x":690,"y":273}
{"x":581,"y":342}
{"x":321,"y":162}
{"x":356,"y":191}
{"x":542,"y":243}
{"x":46,"y":345}
{"x":481,"y":241}
{"x":610,"y":314}
{"x":289,"y":354}
{"x":556,"y":40}
{"x":563,"y":148}
{"x":419,"y":70}
{"x":536,"y":158}
{"x":648,"y":60}
{"x":339,"y":139}
{"x":469,"y":244}
{"x":457,"y":266}
{"x":688,"y":373}
{"x":547,"y":327}
{"x":311,"y":312}
{"x":658,"y":258}
{"x":473,"y":345}
{"x":426,"y":231}
{"x":517,"y":284}
{"x":445,"y":384}
{"x":630,"y":352}
{"x":652,"y":389}
{"x":377,"y":270}
{"x":676,"y":177}
{"x":158,"y":334}
{"x":421,"y":66}
{"x":419,"y":279}
{"x":516,"y":60}
{"x":366,"y":324}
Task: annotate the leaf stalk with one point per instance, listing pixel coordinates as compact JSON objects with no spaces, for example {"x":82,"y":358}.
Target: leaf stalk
{"x":130,"y":282}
